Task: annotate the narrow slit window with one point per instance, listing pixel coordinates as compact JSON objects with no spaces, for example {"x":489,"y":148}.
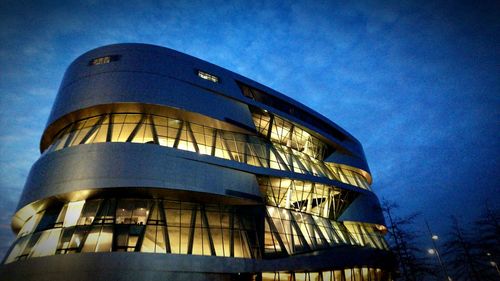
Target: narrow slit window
{"x":208,"y":76}
{"x":104,"y":60}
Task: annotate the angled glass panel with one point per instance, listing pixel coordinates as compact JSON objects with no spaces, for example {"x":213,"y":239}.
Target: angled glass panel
{"x":18,"y":249}
{"x":46,"y":244}
{"x":88,"y":213}
{"x":73,"y":212}
{"x":31,"y":224}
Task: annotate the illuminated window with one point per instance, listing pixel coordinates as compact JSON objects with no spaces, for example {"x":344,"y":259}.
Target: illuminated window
{"x":104,"y":60}
{"x":73,"y":213}
{"x":30,"y":224}
{"x":46,"y":245}
{"x":208,"y":76}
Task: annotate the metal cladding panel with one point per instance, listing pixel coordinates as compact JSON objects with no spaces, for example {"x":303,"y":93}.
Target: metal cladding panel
{"x":126,"y":266}
{"x":365,"y":208}
{"x":149,"y":266}
{"x":354,"y":161}
{"x":112,"y":165}
{"x":331,"y":258}
{"x":140,"y":87}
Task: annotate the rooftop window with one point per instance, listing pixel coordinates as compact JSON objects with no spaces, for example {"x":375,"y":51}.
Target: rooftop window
{"x":291,"y":109}
{"x":104,"y":60}
{"x":208,"y":76}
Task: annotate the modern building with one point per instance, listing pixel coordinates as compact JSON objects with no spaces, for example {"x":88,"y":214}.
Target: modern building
{"x":157,"y":165}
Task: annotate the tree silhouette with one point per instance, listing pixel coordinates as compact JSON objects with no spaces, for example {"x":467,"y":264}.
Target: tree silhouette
{"x":488,"y":235}
{"x":463,"y":254}
{"x":411,"y":260}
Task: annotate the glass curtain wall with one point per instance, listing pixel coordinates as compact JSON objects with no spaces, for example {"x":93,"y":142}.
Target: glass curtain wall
{"x":290,"y":232}
{"x":305,"y":196}
{"x":184,"y":135}
{"x":139,"y":225}
{"x":179,"y":227}
{"x":347,"y":274}
{"x":289,"y":134}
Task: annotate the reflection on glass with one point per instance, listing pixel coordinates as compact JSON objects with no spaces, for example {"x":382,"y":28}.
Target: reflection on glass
{"x":303,"y":196}
{"x":30,"y":225}
{"x":73,"y":213}
{"x":46,"y":244}
{"x":168,"y":226}
{"x":347,"y":274}
{"x":89,"y":212}
{"x":290,"y":148}
{"x":299,"y":232}
{"x":18,"y":249}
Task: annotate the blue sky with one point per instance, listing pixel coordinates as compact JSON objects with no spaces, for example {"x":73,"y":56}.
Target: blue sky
{"x":416,"y":82}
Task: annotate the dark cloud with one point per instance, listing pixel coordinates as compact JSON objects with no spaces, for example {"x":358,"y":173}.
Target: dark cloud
{"x":416,"y":82}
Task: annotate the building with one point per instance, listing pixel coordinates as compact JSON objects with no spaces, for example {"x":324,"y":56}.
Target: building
{"x":156,"y":165}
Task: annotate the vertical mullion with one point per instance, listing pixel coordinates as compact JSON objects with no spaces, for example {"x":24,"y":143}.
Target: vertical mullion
{"x":289,"y":157}
{"x":275,"y":233}
{"x":141,"y":238}
{"x":190,"y":132}
{"x":278,"y":157}
{"x":153,"y":130}
{"x":71,"y":135}
{"x":109,"y":135}
{"x":270,"y":127}
{"x":231,"y":234}
{"x":224,"y":143}
{"x":296,"y":226}
{"x":205,"y":222}
{"x":58,"y":138}
{"x":245,"y":233}
{"x":245,"y":150}
{"x":361,"y":235}
{"x":299,"y":162}
{"x":163,"y":217}
{"x":252,"y":150}
{"x":93,"y":130}
{"x":178,"y":136}
{"x":191,"y":230}
{"x":214,"y":142}
{"x":136,"y":129}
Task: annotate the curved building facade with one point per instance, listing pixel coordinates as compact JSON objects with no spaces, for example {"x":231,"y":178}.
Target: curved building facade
{"x":156,"y":165}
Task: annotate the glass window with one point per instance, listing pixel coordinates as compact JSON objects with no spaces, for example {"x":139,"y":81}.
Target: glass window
{"x":18,"y":249}
{"x":77,"y":239}
{"x":73,"y":213}
{"x":131,"y":211}
{"x":47,"y":243}
{"x":91,"y":240}
{"x":49,"y":218}
{"x":104,"y":60}
{"x":31,"y":224}
{"x":89,"y":212}
{"x":127,"y":237}
{"x":208,"y":76}
{"x":105,"y":239}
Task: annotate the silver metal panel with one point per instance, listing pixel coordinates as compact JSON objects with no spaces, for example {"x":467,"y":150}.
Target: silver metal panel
{"x":148,"y":88}
{"x":125,"y":266}
{"x":365,"y":208}
{"x":111,"y":165}
{"x":147,"y":266}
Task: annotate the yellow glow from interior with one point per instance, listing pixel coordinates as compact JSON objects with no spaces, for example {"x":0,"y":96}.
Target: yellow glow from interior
{"x":46,"y":245}
{"x":73,"y":213}
{"x":29,"y":226}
